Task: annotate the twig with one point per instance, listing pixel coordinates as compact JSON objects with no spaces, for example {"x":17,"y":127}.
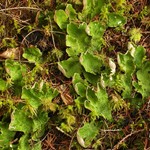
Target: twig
{"x":15,"y":17}
{"x":27,"y":62}
{"x":16,"y":8}
{"x":116,"y":147}
{"x":146,"y":32}
{"x":144,"y":40}
{"x":72,"y":138}
{"x":59,"y":129}
{"x":40,"y":30}
{"x":29,"y":34}
{"x":111,"y":130}
{"x":53,"y":39}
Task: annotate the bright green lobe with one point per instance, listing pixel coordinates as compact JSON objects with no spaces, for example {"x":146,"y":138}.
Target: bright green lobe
{"x":97,"y":102}
{"x":3,"y":85}
{"x":33,"y":54}
{"x":70,"y":66}
{"x":143,"y":76}
{"x":115,"y":20}
{"x":15,"y":69}
{"x":61,"y":18}
{"x":87,"y":133}
{"x":91,"y":63}
{"x":77,"y":39}
{"x":6,"y":136}
{"x":20,"y":121}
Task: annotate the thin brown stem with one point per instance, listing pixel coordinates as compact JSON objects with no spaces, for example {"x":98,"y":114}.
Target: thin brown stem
{"x":17,"y":8}
{"x":116,"y":147}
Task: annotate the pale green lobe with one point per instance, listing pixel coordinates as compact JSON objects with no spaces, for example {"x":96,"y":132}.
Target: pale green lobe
{"x":91,"y":78}
{"x":103,"y":101}
{"x":79,"y":84}
{"x":131,"y":48}
{"x":70,"y":11}
{"x":77,"y":78}
{"x":61,"y":18}
{"x":70,"y":66}
{"x":125,"y":81}
{"x":20,"y":121}
{"x":135,"y":34}
{"x":40,"y":121}
{"x":3,"y":85}
{"x":39,"y":125}
{"x":139,"y":56}
{"x":96,"y":29}
{"x":80,"y":88}
{"x":24,"y":142}
{"x":71,"y":42}
{"x":77,"y":39}
{"x":76,"y":31}
{"x":92,"y":64}
{"x":115,"y":20}
{"x":91,"y":8}
{"x":97,"y":102}
{"x":87,"y":133}
{"x":15,"y":69}
{"x":33,"y":54}
{"x":38,"y":95}
{"x":79,"y":102}
{"x":6,"y":136}
{"x":126,"y":63}
{"x":31,"y":97}
{"x":143,"y":76}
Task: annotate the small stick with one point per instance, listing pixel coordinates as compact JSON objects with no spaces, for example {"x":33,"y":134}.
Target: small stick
{"x":16,"y":8}
{"x":116,"y":147}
